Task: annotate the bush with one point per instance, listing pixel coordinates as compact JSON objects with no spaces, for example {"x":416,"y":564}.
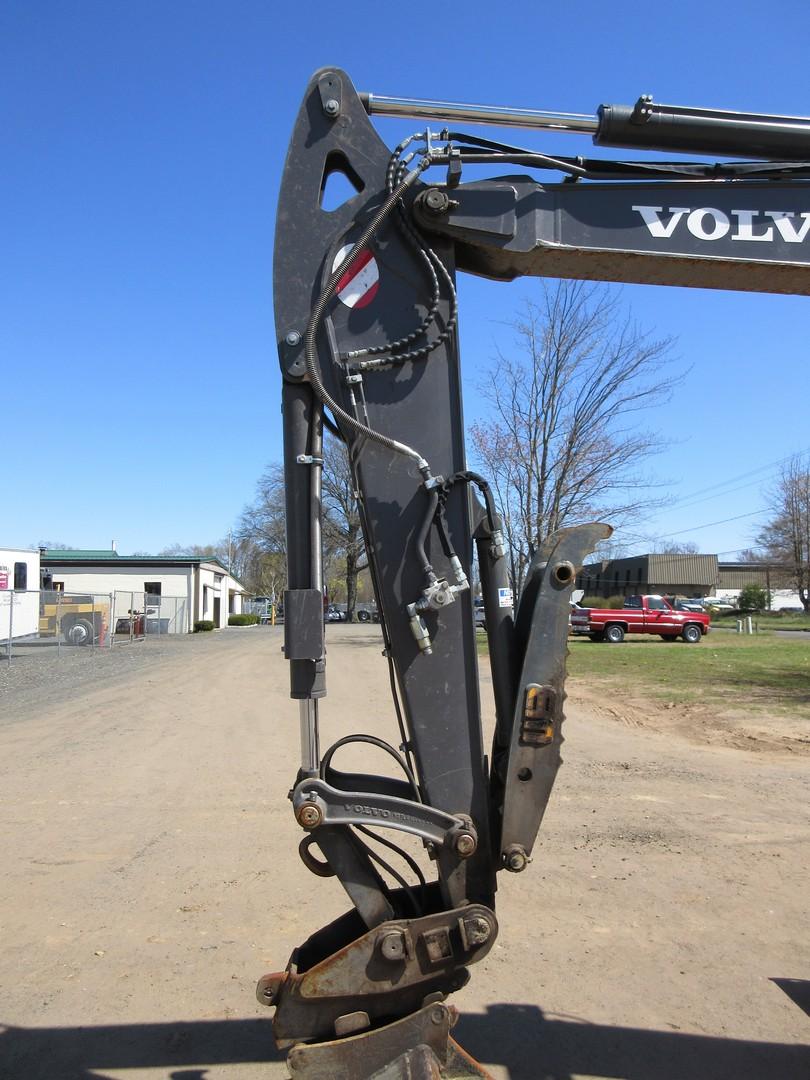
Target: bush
{"x":752,"y":598}
{"x":203,"y":624}
{"x":614,"y":602}
{"x":243,"y":620}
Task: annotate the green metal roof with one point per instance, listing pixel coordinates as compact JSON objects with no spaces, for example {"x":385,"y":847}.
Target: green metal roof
{"x":59,"y":553}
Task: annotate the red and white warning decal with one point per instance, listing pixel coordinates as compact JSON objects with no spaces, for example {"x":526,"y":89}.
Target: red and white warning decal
{"x":358,"y":286}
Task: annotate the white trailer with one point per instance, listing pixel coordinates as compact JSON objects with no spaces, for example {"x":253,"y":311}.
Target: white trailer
{"x":19,"y":593}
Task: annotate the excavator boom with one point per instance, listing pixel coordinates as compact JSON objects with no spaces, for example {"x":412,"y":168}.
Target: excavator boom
{"x":366,"y":316}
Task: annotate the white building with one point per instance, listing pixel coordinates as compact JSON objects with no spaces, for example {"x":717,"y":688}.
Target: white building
{"x":201,"y":582}
{"x":19,"y":608}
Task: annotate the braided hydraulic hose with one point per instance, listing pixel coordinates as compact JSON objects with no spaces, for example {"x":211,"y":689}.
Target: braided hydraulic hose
{"x":416,"y":241}
{"x":430,"y":263}
{"x":396,"y":168}
{"x":318,"y":312}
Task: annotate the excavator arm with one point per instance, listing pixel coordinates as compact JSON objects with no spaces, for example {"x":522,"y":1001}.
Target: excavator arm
{"x":366,"y":316}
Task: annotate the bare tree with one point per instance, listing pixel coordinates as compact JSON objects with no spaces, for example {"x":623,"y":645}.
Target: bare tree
{"x":225,"y":551}
{"x":563,"y":444}
{"x":260,"y":536}
{"x":341,"y":523}
{"x":786,"y":538}
{"x":750,"y":555}
{"x":673,"y":547}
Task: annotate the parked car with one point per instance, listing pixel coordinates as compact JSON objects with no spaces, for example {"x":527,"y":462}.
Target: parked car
{"x":641,"y":615}
{"x":719,"y":603}
{"x":682,"y":603}
{"x":334,"y":614}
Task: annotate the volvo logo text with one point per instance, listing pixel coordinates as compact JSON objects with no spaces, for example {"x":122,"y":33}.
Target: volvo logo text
{"x":709,"y":223}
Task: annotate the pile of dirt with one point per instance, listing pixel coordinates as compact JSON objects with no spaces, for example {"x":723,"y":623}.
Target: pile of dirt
{"x":703,"y":724}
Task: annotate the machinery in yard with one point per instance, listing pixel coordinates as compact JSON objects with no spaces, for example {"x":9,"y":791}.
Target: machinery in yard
{"x":77,"y":619}
{"x":366,"y":312}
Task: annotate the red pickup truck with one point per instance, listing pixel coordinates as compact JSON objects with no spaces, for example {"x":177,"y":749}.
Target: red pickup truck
{"x":640,"y":615}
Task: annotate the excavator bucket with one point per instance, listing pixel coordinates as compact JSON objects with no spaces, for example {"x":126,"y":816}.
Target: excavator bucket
{"x":417,"y":1047}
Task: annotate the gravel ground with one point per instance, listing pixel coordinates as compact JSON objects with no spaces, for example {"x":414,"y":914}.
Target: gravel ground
{"x":40,"y":674}
{"x":150,"y":876}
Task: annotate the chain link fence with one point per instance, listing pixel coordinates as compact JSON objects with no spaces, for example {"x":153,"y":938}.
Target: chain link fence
{"x":269,"y":610}
{"x":40,"y":619}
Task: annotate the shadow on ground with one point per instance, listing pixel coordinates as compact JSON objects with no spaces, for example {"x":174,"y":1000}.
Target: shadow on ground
{"x":534,"y":1047}
{"x":798,"y":990}
{"x":518,"y":1037}
{"x":185,"y":1050}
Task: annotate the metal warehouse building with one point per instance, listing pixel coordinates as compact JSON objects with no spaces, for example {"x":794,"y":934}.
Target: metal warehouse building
{"x":686,"y":575}
{"x":681,"y":575}
{"x":208,"y":590}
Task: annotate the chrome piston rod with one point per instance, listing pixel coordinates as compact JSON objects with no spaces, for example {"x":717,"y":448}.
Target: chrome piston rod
{"x":310,"y":736}
{"x":504,"y":116}
{"x":644,"y":126}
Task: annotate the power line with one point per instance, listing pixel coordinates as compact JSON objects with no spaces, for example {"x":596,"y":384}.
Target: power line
{"x":692,"y":497}
{"x":724,"y":521}
{"x":680,"y":505}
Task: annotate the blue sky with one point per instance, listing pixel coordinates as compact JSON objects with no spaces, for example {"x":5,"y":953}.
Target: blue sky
{"x":142,"y":149}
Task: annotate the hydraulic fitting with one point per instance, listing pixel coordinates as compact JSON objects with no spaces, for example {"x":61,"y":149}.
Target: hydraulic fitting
{"x":439,"y":593}
{"x":419,"y":630}
{"x":458,"y":570}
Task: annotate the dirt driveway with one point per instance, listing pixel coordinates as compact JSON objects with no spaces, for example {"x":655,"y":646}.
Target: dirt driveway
{"x":150,"y":876}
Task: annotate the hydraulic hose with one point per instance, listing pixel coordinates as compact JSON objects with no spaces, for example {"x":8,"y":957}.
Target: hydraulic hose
{"x":319,"y":310}
{"x":421,"y":537}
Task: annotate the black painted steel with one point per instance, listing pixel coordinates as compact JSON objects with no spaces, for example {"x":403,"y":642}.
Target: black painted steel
{"x":541,"y":630}
{"x":649,"y":126}
{"x":751,"y":237}
{"x":420,"y":404}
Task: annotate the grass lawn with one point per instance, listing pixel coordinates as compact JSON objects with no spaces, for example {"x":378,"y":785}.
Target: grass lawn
{"x":759,"y":671}
{"x":768,"y":620}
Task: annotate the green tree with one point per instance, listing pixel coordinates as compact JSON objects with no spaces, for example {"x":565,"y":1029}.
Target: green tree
{"x":753,"y":598}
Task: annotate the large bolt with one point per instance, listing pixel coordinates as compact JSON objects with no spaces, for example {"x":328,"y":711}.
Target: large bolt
{"x":309,"y":816}
{"x":438,"y":1014}
{"x":293,"y":338}
{"x":436,"y":201}
{"x":392,"y":946}
{"x":477,"y":931}
{"x":465,"y":845}
{"x":331,"y":107}
{"x":515,"y":859}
